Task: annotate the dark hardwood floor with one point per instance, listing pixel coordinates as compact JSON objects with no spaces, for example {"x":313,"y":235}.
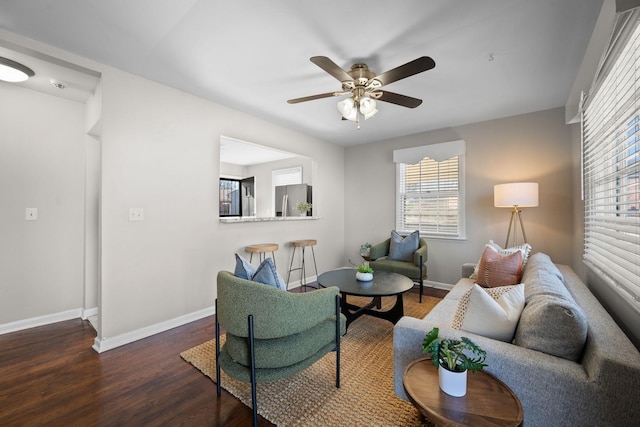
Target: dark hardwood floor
{"x":51,"y":376}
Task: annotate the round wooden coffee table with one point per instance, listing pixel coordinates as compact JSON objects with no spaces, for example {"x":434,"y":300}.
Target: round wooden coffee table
{"x":488,"y":402}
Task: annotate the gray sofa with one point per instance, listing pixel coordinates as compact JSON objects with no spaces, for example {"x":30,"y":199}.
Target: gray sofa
{"x":600,"y":388}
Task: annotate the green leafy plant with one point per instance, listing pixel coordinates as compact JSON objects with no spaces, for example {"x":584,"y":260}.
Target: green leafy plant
{"x":364,"y":268}
{"x":365,"y":249}
{"x":303,"y":207}
{"x":452,"y":354}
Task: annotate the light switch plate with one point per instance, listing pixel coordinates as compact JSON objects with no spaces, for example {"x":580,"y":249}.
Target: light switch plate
{"x":136,"y":214}
{"x":31,"y":214}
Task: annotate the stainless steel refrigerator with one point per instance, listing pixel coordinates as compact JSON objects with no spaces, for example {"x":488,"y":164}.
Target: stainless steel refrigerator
{"x":288,"y":196}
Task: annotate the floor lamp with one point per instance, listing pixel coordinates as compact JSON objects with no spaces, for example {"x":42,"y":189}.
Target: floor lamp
{"x":515,"y":195}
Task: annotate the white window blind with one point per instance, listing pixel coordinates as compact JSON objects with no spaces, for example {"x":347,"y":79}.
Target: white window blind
{"x":429,"y":197}
{"x":287,"y":176}
{"x":611,"y":167}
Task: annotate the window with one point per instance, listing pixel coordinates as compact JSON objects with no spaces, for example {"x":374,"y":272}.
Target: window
{"x":229,"y":197}
{"x":287,"y":176}
{"x":237,"y":197}
{"x":430,"y":190}
{"x":611,"y":168}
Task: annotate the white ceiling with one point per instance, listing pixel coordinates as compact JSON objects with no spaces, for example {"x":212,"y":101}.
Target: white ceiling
{"x":494,"y":58}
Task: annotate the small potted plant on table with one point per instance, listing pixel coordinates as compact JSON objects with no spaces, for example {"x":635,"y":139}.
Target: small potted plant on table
{"x":364,"y":273}
{"x":453,"y":358}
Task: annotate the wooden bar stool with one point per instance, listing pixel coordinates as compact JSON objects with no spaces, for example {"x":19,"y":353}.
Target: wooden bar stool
{"x":261,"y":249}
{"x":302,"y":244}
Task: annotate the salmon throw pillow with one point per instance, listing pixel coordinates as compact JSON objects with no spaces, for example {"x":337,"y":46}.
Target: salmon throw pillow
{"x":496,"y":269}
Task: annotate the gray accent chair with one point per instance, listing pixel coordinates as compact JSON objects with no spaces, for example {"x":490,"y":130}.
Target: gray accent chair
{"x":273,"y":334}
{"x":416,"y":270}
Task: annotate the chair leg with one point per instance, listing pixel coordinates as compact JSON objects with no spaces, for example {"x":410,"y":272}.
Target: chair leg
{"x":315,"y":266}
{"x":303,"y":273}
{"x":421,"y":279}
{"x":293,"y":255}
{"x":218,"y":387}
{"x":338,"y":338}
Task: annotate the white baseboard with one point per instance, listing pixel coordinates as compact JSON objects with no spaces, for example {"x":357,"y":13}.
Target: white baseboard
{"x":34,"y":322}
{"x":109,"y":343}
{"x":297,"y":283}
{"x":88,"y":312}
{"x":438,"y":285}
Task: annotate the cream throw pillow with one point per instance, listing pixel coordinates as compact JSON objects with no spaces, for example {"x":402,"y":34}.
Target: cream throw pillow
{"x":490,"y":312}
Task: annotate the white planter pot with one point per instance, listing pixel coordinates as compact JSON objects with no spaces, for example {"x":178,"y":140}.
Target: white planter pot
{"x":364,"y":277}
{"x":452,"y":383}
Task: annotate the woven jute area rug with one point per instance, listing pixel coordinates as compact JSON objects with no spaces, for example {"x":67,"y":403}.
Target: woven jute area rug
{"x":310,"y":397}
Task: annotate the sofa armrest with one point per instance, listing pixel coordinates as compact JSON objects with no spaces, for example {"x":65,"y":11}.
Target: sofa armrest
{"x":380,"y":250}
{"x":423,"y":251}
{"x":467,"y":269}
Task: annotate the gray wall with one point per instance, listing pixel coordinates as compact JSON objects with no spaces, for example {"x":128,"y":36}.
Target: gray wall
{"x":154,"y":148}
{"x":160,"y":151}
{"x":531,"y":147}
{"x":42,"y":165}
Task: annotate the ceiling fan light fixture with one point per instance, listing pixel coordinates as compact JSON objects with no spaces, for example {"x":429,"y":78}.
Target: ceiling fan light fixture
{"x":12,"y":71}
{"x":352,"y":115}
{"x":363,"y":86}
{"x":346,"y":106}
{"x":367,"y":105}
{"x":370,"y":114}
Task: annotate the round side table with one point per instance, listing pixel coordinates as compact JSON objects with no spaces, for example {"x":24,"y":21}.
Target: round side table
{"x":488,"y":402}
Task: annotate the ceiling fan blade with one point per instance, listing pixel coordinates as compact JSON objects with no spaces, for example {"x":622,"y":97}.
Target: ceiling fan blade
{"x":402,"y":100}
{"x":416,"y":66}
{"x":319,"y":96}
{"x":332,"y":68}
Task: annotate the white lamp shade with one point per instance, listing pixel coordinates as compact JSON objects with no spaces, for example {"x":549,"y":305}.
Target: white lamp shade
{"x":367,"y":105}
{"x":370,"y":114}
{"x":521,"y":194}
{"x":352,"y":115}
{"x":346,"y":106}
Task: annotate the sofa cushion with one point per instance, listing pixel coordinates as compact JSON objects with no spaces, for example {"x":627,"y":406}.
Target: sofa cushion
{"x":551,"y":322}
{"x":284,"y":351}
{"x":543,"y":278}
{"x":553,"y":325}
{"x":499,"y":270}
{"x":490,"y":312}
{"x":524,"y":249}
{"x":403,"y":248}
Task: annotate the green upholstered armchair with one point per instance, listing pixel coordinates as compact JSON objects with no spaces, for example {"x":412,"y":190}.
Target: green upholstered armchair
{"x":416,"y":270}
{"x":271,"y":333}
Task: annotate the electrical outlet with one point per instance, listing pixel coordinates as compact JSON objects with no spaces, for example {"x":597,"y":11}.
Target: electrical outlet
{"x":136,"y":214}
{"x":31,"y":214}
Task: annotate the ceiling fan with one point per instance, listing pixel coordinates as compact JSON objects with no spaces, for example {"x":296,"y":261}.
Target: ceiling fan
{"x":364,"y":86}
